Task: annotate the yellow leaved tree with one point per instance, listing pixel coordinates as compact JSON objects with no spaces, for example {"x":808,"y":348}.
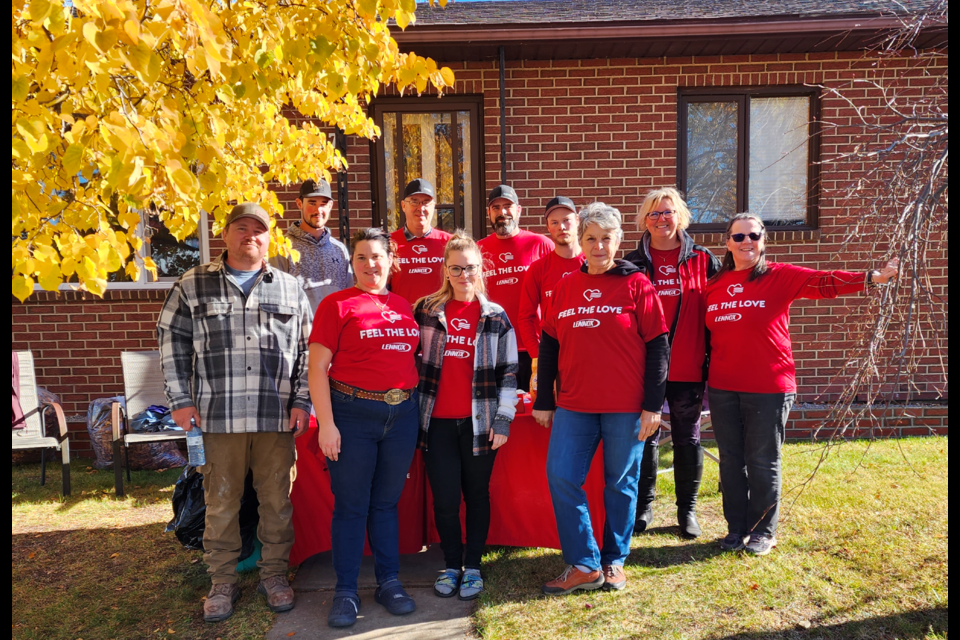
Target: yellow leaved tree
{"x":173,"y":106}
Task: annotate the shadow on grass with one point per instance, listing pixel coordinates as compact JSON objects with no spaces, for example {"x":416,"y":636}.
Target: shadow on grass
{"x":910,"y":625}
{"x":672,"y":555}
{"x":87,"y":483}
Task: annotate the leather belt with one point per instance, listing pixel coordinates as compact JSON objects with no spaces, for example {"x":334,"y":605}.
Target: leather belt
{"x":391,"y":397}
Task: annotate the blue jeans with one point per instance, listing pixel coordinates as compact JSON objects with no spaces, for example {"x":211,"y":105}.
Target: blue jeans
{"x":573,"y":443}
{"x":377,"y":442}
{"x":750,"y":428}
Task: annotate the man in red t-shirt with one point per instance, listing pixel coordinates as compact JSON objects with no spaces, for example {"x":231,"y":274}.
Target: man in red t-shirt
{"x":545,"y":273}
{"x":508,"y":253}
{"x":419,"y":246}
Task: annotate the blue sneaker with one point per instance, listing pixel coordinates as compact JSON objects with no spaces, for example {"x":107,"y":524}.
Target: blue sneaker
{"x":447,"y":584}
{"x":343,"y":612}
{"x":392,"y":596}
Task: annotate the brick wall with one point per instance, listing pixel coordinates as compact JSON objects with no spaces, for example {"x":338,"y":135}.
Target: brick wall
{"x":601,"y":129}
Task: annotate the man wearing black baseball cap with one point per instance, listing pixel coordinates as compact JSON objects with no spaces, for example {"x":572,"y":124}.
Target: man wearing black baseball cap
{"x":324,"y":265}
{"x":508,"y":253}
{"x":419,"y":245}
{"x":544,"y":274}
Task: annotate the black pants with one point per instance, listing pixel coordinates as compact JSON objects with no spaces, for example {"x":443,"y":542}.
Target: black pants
{"x":453,"y":469}
{"x":686,"y":403}
{"x":524,"y":370}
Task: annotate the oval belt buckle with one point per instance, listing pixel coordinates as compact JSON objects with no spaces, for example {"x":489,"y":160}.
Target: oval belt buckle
{"x":394,"y":396}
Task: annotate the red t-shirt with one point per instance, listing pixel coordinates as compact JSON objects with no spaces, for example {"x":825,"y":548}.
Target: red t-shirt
{"x":603,"y":324}
{"x":373,"y":347}
{"x":749,"y":324}
{"x":455,"y":390}
{"x":421,"y":264}
{"x":537,"y":297}
{"x":505,"y":262}
{"x":666,"y":281}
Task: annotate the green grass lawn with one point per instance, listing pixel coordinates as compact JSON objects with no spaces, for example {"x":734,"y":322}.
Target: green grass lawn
{"x":863,"y":554}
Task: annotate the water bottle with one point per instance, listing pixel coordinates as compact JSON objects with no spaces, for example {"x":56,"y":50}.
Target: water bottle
{"x":196,"y":456}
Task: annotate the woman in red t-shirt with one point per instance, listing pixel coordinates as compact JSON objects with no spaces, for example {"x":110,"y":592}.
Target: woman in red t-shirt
{"x":604,"y":344}
{"x":679,"y":270}
{"x":468,"y":395}
{"x":752,"y":385}
{"x":363,"y":379}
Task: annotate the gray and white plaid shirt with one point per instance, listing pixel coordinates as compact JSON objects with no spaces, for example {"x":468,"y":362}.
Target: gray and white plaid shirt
{"x":241,"y":361}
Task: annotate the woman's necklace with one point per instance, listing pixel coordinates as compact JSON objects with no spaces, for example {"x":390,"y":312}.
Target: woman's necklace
{"x":387,"y":314}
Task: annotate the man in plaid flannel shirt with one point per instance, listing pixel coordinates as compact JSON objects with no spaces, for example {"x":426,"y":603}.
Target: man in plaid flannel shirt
{"x":233,"y":347}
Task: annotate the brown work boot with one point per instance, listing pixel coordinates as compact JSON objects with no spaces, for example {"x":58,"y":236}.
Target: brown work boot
{"x":572,"y":579}
{"x":278,"y":592}
{"x":614,"y":577}
{"x":219,"y":603}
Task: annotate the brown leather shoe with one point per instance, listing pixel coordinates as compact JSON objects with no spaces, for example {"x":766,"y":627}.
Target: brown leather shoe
{"x":219,"y":603}
{"x":278,"y":592}
{"x":614,"y":577}
{"x":572,"y":579}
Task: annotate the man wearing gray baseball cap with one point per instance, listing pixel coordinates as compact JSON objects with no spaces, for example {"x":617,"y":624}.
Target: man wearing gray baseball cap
{"x":233,"y":338}
{"x":508,"y":253}
{"x":324,"y":265}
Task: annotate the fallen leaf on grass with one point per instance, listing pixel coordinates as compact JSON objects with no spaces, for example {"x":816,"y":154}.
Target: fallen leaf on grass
{"x":588,"y":606}
{"x":754,"y":587}
{"x":170,"y":631}
{"x":804,"y":624}
{"x":114,"y":555}
{"x":31,"y":556}
{"x":292,"y":633}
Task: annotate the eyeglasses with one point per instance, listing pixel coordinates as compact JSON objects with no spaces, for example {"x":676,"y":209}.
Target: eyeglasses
{"x":419,"y":205}
{"x":456,"y":270}
{"x":654,"y":215}
{"x":740,"y":237}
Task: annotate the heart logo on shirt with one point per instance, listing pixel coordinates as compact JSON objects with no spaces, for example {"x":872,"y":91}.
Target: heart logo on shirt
{"x":418,"y":248}
{"x":460,"y":324}
{"x":390,"y":315}
{"x":734,"y":289}
{"x":506,"y":256}
{"x":667,"y":269}
{"x":591,"y":294}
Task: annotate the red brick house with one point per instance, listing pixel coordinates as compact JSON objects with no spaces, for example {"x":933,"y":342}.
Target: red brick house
{"x":596,"y":101}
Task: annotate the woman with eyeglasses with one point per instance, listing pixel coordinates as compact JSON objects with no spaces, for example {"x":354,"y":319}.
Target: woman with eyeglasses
{"x":468,"y":397}
{"x":679,"y":269}
{"x":752,"y":381}
{"x":363,"y":379}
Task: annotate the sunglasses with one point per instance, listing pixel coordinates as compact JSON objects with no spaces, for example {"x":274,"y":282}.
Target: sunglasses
{"x":740,"y":237}
{"x":654,"y":215}
{"x":456,"y":270}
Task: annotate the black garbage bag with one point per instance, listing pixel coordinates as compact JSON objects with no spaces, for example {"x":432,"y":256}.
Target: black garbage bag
{"x":189,"y":512}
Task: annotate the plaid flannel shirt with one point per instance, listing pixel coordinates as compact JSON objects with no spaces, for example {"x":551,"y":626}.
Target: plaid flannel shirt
{"x":494,"y":377}
{"x":241,"y":361}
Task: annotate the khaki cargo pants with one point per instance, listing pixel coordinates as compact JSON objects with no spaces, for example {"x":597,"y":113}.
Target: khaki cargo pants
{"x":271,"y":458}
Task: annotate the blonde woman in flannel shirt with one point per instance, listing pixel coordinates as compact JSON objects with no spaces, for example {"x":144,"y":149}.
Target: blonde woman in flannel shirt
{"x":468,"y":383}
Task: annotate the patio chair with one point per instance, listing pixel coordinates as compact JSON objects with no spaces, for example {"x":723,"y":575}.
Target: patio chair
{"x":34,"y":433}
{"x":142,"y":387}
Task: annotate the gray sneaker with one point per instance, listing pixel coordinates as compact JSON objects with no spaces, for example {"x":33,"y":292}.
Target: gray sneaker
{"x":472,"y":585}
{"x":732,"y":542}
{"x":447,"y":584}
{"x":760,"y":544}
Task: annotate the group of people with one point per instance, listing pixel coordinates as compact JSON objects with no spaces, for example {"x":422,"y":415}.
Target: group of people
{"x":421,"y":339}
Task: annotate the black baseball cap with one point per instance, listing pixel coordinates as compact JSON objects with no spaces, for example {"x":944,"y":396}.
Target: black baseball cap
{"x":315,"y":189}
{"x":503,"y":191}
{"x":560,"y":202}
{"x":419,"y":186}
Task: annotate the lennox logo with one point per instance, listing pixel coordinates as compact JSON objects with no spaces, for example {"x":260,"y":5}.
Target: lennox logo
{"x":730,"y":317}
{"x":507,"y":281}
{"x":456,"y":353}
{"x":421,"y":270}
{"x":591,"y":323}
{"x":591,"y":294}
{"x":419,"y":248}
{"x":460,"y":324}
{"x":402,"y":347}
{"x":667,"y":269}
{"x":390,"y":316}
{"x":734,"y":289}
{"x":506,"y":256}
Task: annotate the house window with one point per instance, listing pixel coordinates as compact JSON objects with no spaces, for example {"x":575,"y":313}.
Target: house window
{"x":750,"y":150}
{"x":435,"y":139}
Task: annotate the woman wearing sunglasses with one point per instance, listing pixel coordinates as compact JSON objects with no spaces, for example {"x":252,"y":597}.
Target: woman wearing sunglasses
{"x":679,"y":270}
{"x":468,"y":397}
{"x":752,"y":383}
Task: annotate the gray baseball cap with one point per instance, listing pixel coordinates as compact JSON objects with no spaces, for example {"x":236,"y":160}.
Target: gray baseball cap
{"x":315,"y":189}
{"x":248,"y":210}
